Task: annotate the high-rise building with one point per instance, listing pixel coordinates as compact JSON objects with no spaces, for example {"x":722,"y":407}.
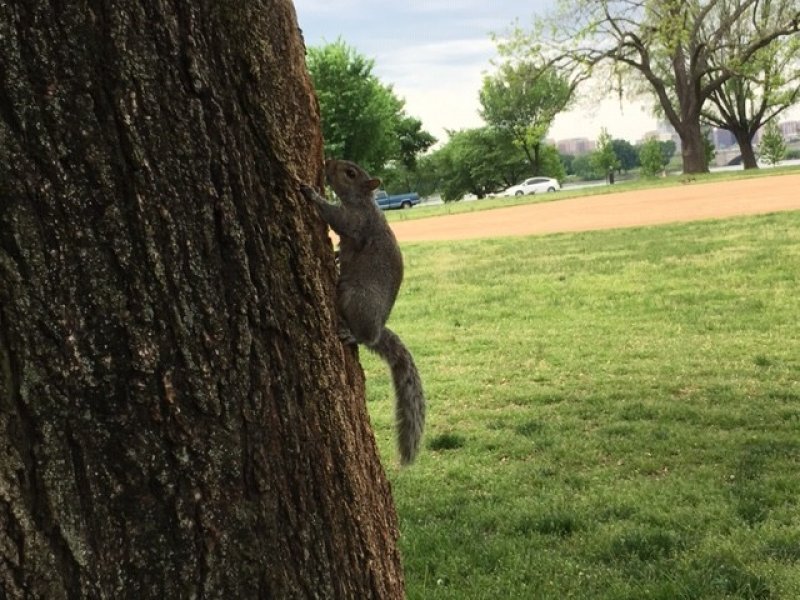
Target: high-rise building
{"x":722,"y":138}
{"x":790,"y":129}
{"x":575,"y":146}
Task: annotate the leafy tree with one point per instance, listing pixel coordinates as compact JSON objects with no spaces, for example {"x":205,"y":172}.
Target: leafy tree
{"x":412,"y":140}
{"x":552,"y":164}
{"x":665,"y":45}
{"x":604,"y":159}
{"x":651,"y":157}
{"x":772,"y":147}
{"x":761,"y":89}
{"x":584,"y":168}
{"x":626,"y":154}
{"x":523,"y":99}
{"x":463,"y":167}
{"x":424,"y":178}
{"x":478,"y":161}
{"x":362,"y":119}
{"x":567,"y":160}
{"x":655,"y":155}
{"x":668,"y":149}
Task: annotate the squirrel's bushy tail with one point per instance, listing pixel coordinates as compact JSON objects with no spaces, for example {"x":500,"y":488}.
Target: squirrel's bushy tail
{"x":409,"y":398}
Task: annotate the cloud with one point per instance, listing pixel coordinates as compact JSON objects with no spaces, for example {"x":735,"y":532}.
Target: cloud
{"x":439,"y":80}
{"x":435,"y":54}
{"x":435,"y":63}
{"x":327,"y":7}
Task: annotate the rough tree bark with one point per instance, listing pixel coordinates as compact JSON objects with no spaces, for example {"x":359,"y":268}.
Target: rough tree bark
{"x":744,"y":139}
{"x":178,"y":419}
{"x":693,"y":149}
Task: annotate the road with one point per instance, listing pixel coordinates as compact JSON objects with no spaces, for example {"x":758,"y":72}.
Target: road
{"x":689,"y":202}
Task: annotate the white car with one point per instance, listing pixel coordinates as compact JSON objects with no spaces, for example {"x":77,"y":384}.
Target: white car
{"x":534,"y":185}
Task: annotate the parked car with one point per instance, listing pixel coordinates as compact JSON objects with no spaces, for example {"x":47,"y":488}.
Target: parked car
{"x":385,"y":201}
{"x":534,"y":185}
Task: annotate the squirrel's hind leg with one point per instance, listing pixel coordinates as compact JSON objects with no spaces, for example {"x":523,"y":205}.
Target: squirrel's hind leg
{"x":346,"y":336}
{"x":359,"y":318}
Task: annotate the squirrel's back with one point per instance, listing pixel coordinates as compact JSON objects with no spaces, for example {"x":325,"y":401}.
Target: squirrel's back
{"x":370,"y":274}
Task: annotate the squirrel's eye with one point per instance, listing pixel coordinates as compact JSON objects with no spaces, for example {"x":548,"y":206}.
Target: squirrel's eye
{"x":350,"y":173}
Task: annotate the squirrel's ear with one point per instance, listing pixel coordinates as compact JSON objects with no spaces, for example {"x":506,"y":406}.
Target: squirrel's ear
{"x":374,"y":184}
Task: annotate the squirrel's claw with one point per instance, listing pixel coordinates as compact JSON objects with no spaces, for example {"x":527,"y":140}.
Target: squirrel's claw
{"x":346,"y":337}
{"x":307,"y":191}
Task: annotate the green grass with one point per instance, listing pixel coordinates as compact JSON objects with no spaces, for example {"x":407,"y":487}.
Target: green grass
{"x":423,"y":212}
{"x":612,"y":415}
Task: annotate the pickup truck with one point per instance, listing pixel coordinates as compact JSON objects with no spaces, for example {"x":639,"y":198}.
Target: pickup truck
{"x":385,"y":201}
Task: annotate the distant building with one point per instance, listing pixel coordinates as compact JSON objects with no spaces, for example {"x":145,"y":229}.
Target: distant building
{"x":722,"y":138}
{"x":666,"y":130}
{"x":649,"y":135}
{"x":790,"y":130}
{"x":664,"y":133}
{"x":575,"y":146}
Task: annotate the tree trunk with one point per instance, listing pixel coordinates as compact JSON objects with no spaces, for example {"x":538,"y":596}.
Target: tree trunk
{"x":178,"y":417}
{"x":693,"y":151}
{"x":745,"y":140}
{"x":529,"y":155}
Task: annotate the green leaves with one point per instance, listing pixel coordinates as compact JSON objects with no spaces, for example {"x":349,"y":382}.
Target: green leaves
{"x":604,"y":158}
{"x":362,"y":119}
{"x":522,"y":99}
{"x":772,"y":147}
{"x":478,"y":161}
{"x":651,"y":158}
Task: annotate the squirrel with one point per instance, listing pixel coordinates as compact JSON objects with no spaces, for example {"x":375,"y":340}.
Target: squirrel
{"x":370,"y":274}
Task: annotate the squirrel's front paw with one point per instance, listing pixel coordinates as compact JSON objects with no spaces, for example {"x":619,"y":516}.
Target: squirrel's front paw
{"x":308,"y":191}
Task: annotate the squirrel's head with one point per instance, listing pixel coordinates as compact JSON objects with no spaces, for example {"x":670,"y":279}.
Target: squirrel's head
{"x":349,"y":181}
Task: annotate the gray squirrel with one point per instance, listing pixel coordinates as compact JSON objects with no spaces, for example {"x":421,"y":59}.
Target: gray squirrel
{"x":370,"y":273}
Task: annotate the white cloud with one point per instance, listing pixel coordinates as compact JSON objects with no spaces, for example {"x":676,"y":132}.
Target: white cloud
{"x":439,"y":81}
{"x":627,"y":121}
{"x":327,"y":7}
{"x":436,"y":53}
{"x":435,"y":63}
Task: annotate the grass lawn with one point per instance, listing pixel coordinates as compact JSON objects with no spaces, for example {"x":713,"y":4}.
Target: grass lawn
{"x":422,"y":211}
{"x":612,"y":415}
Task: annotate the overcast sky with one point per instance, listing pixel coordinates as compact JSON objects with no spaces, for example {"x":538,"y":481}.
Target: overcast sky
{"x":436,"y":52}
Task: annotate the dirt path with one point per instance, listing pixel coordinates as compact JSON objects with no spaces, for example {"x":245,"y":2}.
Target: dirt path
{"x":628,"y":209}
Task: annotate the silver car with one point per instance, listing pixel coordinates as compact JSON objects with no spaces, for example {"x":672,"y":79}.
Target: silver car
{"x":534,"y":185}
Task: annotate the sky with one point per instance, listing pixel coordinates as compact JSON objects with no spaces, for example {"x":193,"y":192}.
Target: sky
{"x":435,"y":54}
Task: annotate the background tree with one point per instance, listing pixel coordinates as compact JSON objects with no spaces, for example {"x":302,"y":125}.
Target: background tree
{"x":664,"y":45}
{"x":651,"y":158}
{"x":604,"y":159}
{"x":552,"y":165}
{"x":668,"y":149}
{"x":655,"y":155}
{"x":478,"y":161}
{"x":424,"y":178}
{"x":363,"y":120}
{"x":178,"y":416}
{"x":523,"y":99}
{"x":412,"y":140}
{"x":626,"y":154}
{"x":772,"y":147}
{"x":567,"y":160}
{"x":585,"y":169}
{"x":760,"y":90}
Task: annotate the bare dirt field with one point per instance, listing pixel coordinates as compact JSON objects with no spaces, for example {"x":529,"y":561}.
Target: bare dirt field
{"x":690,"y":202}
